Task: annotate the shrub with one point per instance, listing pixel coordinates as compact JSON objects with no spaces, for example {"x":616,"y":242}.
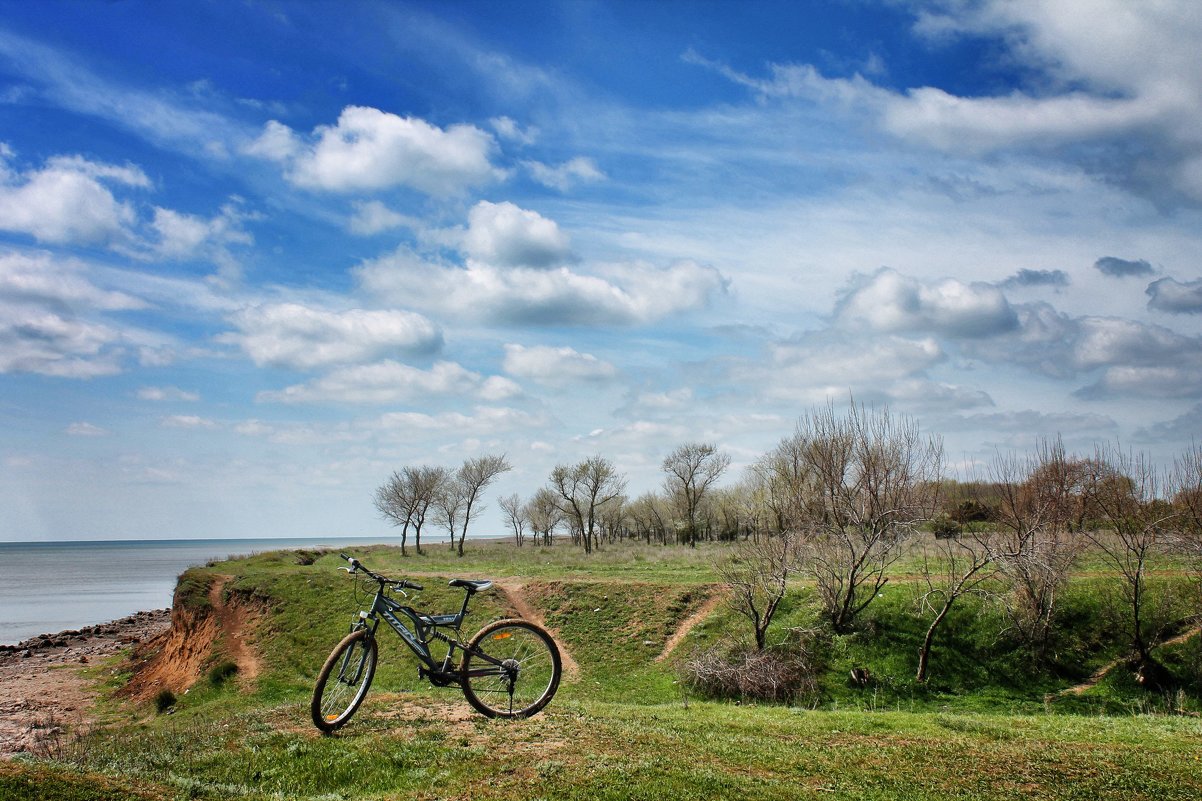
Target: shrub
{"x":219,"y":673}
{"x":944,"y":528}
{"x":164,"y":700}
{"x":785,"y":673}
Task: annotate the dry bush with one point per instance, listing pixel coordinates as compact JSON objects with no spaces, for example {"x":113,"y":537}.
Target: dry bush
{"x":782,"y":674}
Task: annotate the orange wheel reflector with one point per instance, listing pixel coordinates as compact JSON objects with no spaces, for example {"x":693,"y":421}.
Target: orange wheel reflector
{"x":331,"y":717}
{"x":504,"y":635}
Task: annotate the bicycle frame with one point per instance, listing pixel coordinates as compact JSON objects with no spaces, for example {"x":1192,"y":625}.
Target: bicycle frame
{"x":426,"y":629}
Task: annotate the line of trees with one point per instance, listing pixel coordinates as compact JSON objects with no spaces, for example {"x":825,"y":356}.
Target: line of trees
{"x":840,"y":500}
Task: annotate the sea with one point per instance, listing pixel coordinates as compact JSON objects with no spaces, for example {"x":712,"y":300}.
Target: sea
{"x":47,"y":587}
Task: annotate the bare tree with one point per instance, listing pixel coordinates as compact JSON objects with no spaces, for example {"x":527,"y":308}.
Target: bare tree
{"x":961,"y":566}
{"x":394,"y":502}
{"x":448,"y":507}
{"x":583,"y":488}
{"x":874,"y":479}
{"x":516,"y":515}
{"x":1124,"y":490}
{"x":783,"y":483}
{"x":473,"y":477}
{"x":649,"y":516}
{"x":691,"y":469}
{"x":1186,"y":491}
{"x":405,"y":499}
{"x":1038,"y":495}
{"x":756,"y":574}
{"x":544,"y":514}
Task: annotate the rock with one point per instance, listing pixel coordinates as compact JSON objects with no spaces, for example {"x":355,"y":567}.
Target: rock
{"x":26,"y":653}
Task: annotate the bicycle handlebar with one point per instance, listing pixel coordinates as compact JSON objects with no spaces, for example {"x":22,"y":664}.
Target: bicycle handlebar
{"x":402,"y":584}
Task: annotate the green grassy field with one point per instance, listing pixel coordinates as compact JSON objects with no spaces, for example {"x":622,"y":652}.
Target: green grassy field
{"x":985,"y":726}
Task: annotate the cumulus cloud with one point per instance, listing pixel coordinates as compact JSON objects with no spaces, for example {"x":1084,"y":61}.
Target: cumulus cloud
{"x":299,"y":337}
{"x":1130,"y":75}
{"x":555,"y":366}
{"x":564,"y":176}
{"x":187,"y":421}
{"x":509,"y":130}
{"x":368,"y":150}
{"x":392,"y":382}
{"x":504,"y":235}
{"x":1033,"y":278}
{"x":626,"y":294}
{"x":1172,"y":296}
{"x":68,"y":201}
{"x":1122,"y":268}
{"x":159,"y":394}
{"x":484,"y":420}
{"x":889,"y":301}
{"x":373,"y":217}
{"x":1146,"y":382}
{"x":50,"y":319}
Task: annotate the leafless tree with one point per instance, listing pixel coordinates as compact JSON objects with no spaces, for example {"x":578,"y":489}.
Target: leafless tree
{"x":473,"y":477}
{"x":756,"y":574}
{"x":448,"y":507}
{"x":405,"y":499}
{"x":1039,"y":496}
{"x":1125,"y":491}
{"x":691,"y":469}
{"x":392,"y":500}
{"x":872,"y":478}
{"x":960,"y":566}
{"x":583,"y":489}
{"x":516,"y":516}
{"x":649,"y":515}
{"x":1186,"y":492}
{"x":544,"y":514}
{"x":783,"y":483}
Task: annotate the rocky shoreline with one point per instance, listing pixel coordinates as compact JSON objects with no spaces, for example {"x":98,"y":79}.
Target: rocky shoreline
{"x":42,"y":689}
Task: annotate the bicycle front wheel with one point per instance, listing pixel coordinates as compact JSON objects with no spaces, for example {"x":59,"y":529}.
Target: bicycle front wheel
{"x":510,"y":669}
{"x":343,"y":681}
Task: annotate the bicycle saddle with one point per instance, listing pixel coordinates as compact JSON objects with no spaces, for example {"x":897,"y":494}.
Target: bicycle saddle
{"x":469,"y":585}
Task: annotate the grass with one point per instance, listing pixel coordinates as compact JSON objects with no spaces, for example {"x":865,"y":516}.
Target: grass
{"x":986,"y":726}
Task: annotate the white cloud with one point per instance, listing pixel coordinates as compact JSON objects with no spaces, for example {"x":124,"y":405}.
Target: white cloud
{"x":563,"y":177}
{"x":504,"y":235}
{"x":889,"y":301}
{"x":299,"y":337}
{"x":166,"y":394}
{"x":85,"y":429}
{"x":392,"y":382}
{"x":369,"y":149}
{"x":555,"y":366}
{"x":628,"y":294}
{"x":373,"y":217}
{"x":67,"y":202}
{"x":42,"y":279}
{"x":182,"y":236}
{"x":187,"y":421}
{"x":509,"y":130}
{"x":484,"y":420}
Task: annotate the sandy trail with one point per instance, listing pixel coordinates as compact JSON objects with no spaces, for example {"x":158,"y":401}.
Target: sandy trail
{"x":513,"y":594}
{"x":689,"y":623}
{"x":1101,"y":672}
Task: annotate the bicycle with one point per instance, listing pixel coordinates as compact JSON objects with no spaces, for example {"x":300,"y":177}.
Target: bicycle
{"x":509,"y":669}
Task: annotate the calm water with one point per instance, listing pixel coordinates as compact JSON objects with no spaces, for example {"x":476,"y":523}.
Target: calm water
{"x":50,"y":586}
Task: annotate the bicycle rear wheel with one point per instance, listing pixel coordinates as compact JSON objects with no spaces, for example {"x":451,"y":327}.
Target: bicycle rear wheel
{"x":511,"y":669}
{"x":343,"y":681}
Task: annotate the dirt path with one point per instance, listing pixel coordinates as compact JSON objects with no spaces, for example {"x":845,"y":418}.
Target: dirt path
{"x":513,"y":594}
{"x":689,"y":623}
{"x":43,"y":688}
{"x":1101,"y":672}
{"x":234,"y":621}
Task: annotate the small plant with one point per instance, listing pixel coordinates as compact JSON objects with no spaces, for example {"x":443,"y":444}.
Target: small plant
{"x":944,"y":527}
{"x":164,"y":701}
{"x":221,"y":672}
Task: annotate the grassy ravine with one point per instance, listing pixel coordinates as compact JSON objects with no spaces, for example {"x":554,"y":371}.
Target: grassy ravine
{"x":985,"y":726}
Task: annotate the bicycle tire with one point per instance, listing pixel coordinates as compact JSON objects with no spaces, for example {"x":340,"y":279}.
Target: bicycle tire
{"x":353,"y":665}
{"x":526,"y":680}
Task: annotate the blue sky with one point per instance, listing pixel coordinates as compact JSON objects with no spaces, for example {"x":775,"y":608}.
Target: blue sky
{"x":255,"y":256}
